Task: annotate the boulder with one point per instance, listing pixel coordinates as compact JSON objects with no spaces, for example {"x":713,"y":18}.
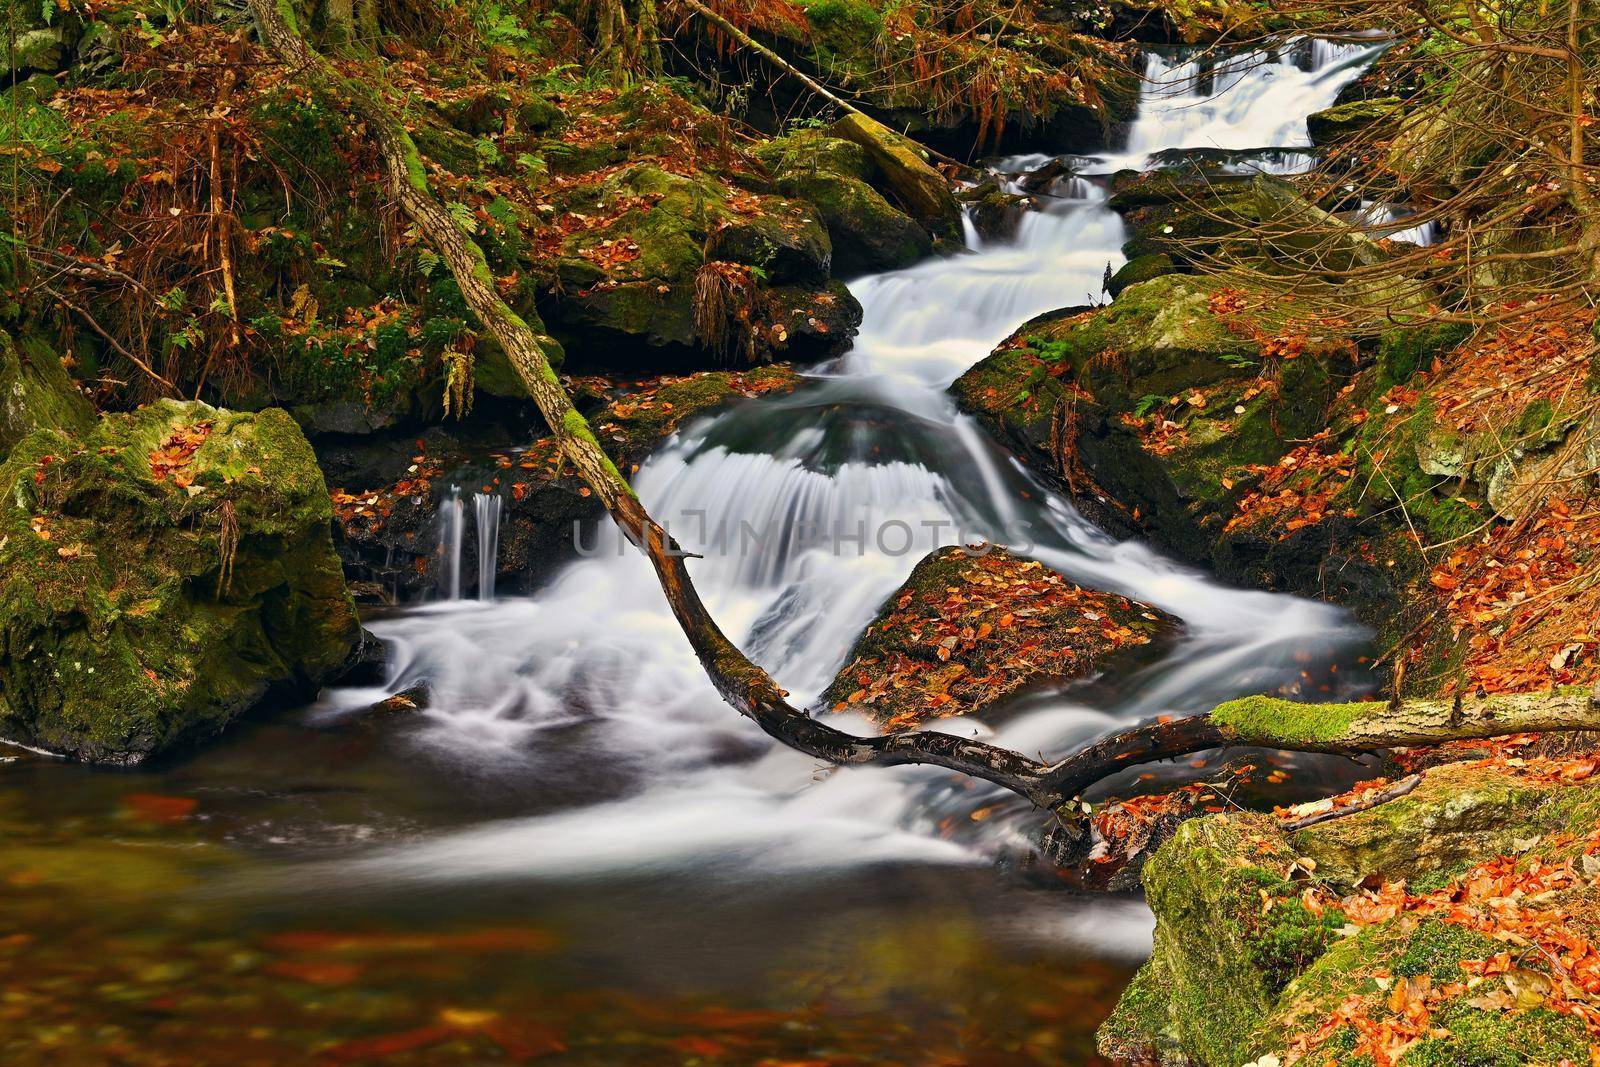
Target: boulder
{"x":970,"y":629}
{"x":839,"y":180}
{"x":920,"y":189}
{"x":160,"y":573}
{"x":638,"y":278}
{"x":1156,"y":404}
{"x":1262,"y":936}
{"x":36,"y":392}
{"x":1344,"y":121}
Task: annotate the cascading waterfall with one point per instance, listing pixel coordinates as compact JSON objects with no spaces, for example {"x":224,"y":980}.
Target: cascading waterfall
{"x":809,"y":510}
{"x":486,"y":509}
{"x":452,"y":523}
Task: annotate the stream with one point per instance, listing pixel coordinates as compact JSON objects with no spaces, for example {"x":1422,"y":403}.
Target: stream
{"x":578,"y":853}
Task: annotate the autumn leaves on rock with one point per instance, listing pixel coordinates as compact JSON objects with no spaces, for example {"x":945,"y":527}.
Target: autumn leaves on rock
{"x":968,"y":630}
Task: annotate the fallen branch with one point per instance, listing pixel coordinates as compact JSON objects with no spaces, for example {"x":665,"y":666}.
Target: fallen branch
{"x":1348,"y":728}
{"x":1394,"y":792}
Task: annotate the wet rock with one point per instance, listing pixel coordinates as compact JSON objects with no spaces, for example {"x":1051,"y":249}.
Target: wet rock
{"x":996,"y":214}
{"x":966,"y":632}
{"x":159,"y":575}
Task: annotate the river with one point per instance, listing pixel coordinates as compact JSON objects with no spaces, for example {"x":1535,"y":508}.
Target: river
{"x":578,"y":853}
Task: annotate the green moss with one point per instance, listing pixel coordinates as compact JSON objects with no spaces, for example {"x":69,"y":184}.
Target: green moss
{"x":1404,"y":350}
{"x":140,"y":620}
{"x":1479,"y":1038}
{"x":1140,"y":269}
{"x":1438,"y":948}
{"x":1263,"y":720}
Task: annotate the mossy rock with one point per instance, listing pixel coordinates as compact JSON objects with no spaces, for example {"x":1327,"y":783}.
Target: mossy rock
{"x":144,"y":605}
{"x":815,"y":152}
{"x":1155,"y":401}
{"x":1459,"y":815}
{"x":1231,"y":934}
{"x":867,"y":232}
{"x":677,"y":225}
{"x":37,"y":392}
{"x":967,"y":631}
{"x":1228,"y":982}
{"x":1357,"y":117}
{"x":920,"y":189}
{"x":836,"y":177}
{"x":1140,"y":269}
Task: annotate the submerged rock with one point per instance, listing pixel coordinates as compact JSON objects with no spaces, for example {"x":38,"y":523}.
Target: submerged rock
{"x":970,"y":629}
{"x":161,"y":573}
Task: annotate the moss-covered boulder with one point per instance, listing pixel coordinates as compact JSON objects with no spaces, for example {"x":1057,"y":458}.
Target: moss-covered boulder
{"x":1140,"y":269}
{"x":920,"y":189}
{"x":1268,"y":943}
{"x":639,"y":277}
{"x":1198,"y":212}
{"x":36,"y":391}
{"x":160,"y":573}
{"x":969,"y":630}
{"x":1161,"y":402}
{"x":836,"y":177}
{"x":1356,"y":117}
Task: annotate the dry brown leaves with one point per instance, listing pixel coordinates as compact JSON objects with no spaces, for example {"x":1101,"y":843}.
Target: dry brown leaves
{"x":1296,"y":491}
{"x":172,"y":456}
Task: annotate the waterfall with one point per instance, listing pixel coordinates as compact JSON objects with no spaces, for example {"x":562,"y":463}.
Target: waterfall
{"x":1253,"y":100}
{"x":451,"y":520}
{"x":487,"y":509}
{"x":809,"y":509}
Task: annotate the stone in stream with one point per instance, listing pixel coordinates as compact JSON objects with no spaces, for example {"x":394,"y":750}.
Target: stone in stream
{"x":968,"y":630}
{"x":160,"y":573}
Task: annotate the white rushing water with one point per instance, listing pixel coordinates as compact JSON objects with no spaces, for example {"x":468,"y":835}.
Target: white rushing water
{"x":810,"y":509}
{"x":486,"y":511}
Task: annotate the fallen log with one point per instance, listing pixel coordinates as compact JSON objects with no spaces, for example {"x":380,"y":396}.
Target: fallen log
{"x":1263,"y":721}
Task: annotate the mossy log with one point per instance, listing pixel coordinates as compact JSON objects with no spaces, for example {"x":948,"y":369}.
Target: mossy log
{"x":748,"y":688}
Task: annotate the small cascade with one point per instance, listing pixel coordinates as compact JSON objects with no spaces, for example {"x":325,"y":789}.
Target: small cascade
{"x":1252,"y":100}
{"x":487,"y":509}
{"x":452,"y":519}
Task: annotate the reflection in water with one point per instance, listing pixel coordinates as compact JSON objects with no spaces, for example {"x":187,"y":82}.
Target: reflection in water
{"x":578,"y":849}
